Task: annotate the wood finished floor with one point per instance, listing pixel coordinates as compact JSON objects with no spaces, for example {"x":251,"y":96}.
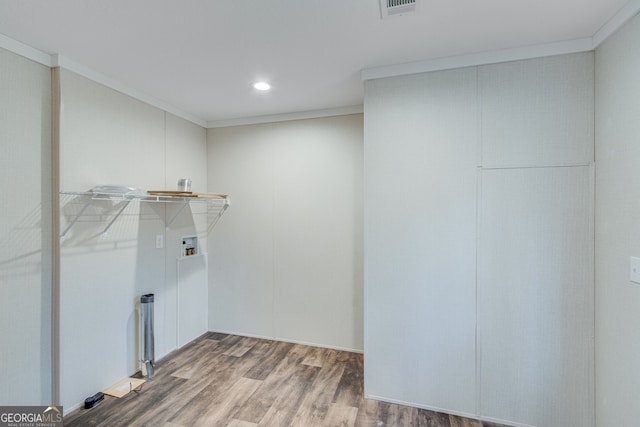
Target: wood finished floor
{"x":228,"y":380}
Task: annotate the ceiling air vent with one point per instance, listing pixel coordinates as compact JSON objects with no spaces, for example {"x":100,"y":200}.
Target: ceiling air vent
{"x":396,"y":7}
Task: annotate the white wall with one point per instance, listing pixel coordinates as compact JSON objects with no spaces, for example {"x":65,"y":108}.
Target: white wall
{"x":420,"y":212}
{"x":186,"y":148}
{"x":535,"y":250}
{"x":479,"y":291}
{"x":617,"y":227}
{"x":25,"y":232}
{"x":286,"y":260}
{"x":109,"y":138}
{"x":535,"y":296}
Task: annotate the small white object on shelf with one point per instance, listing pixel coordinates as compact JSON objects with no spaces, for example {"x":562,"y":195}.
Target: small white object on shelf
{"x":118,"y":190}
{"x":184,"y":184}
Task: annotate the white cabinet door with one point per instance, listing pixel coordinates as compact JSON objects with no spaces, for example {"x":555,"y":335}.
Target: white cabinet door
{"x":535,"y":296}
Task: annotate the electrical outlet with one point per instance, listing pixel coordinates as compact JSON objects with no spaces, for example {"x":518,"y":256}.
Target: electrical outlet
{"x":159,"y":241}
{"x":634,"y":270}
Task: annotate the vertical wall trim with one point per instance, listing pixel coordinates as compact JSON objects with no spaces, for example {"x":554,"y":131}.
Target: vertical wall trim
{"x":592,"y":225}
{"x":478,"y":224}
{"x":55,"y":233}
{"x":164,"y":142}
{"x":478,"y":326}
{"x":593,"y":233}
{"x":479,"y":117}
{"x":271,"y":141}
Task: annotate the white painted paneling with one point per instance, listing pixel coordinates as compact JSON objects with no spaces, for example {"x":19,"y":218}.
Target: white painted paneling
{"x":98,"y":319}
{"x":25,"y":239}
{"x":186,"y":157}
{"x":186,"y":153}
{"x":108,"y":138}
{"x":318,"y":231}
{"x":535,"y":296}
{"x":617,"y":227}
{"x":102,"y":278}
{"x":537,"y":112}
{"x":421,"y":135}
{"x":150,"y":276}
{"x":240,"y":163}
{"x":193,"y":301}
{"x":285,"y":260}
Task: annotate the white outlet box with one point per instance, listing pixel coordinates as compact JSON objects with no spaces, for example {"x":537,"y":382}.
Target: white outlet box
{"x":634,"y":270}
{"x":159,"y":241}
{"x":190,"y":246}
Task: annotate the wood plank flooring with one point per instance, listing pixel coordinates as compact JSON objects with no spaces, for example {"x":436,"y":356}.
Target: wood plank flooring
{"x":228,"y":380}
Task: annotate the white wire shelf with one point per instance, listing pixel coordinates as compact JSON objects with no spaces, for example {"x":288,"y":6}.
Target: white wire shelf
{"x":216,"y":204}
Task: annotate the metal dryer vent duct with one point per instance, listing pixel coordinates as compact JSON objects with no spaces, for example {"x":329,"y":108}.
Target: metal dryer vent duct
{"x":148,"y":347}
{"x":397,"y":7}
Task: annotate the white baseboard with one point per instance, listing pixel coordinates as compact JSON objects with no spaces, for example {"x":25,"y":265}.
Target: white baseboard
{"x":264,"y":337}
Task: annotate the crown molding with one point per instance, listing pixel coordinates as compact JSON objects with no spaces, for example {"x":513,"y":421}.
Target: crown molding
{"x":24,"y":50}
{"x":625,"y":14}
{"x":482,"y":58}
{"x":91,"y":74}
{"x":285,"y":117}
{"x":628,"y":11}
{"x":60,"y":61}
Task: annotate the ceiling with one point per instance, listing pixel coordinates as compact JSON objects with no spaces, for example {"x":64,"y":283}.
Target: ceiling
{"x":201,"y":56}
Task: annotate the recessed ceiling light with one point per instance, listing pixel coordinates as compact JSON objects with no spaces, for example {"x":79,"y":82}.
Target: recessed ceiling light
{"x":261,"y":86}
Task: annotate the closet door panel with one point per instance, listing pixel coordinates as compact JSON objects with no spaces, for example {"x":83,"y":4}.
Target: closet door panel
{"x":537,"y":112}
{"x":535,"y":296}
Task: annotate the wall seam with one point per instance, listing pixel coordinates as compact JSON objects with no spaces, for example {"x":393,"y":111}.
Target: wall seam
{"x":478,"y":225}
{"x":55,"y":233}
{"x":593,"y":230}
